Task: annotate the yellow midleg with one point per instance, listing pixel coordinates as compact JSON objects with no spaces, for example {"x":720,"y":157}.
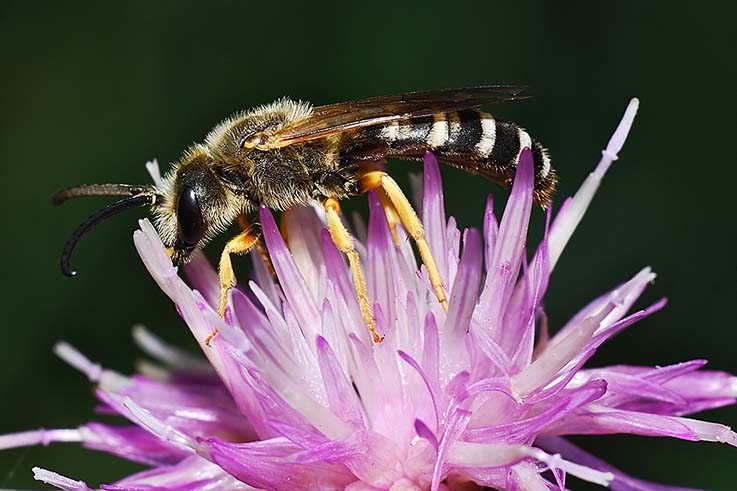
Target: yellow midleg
{"x":240,"y":244}
{"x":344,"y":242}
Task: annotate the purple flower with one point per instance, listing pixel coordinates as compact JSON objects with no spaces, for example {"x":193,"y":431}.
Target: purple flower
{"x":296,"y":396}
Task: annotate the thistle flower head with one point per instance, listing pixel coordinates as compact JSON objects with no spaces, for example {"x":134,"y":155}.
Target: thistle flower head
{"x":295,"y":395}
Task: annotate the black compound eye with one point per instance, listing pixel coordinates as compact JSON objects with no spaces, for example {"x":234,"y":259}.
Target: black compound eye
{"x":189,"y":217}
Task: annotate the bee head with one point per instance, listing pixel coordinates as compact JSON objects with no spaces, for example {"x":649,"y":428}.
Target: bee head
{"x":195,"y":205}
{"x":190,"y":205}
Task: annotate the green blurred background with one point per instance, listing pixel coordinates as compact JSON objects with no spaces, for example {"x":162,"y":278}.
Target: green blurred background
{"x":90,"y":92}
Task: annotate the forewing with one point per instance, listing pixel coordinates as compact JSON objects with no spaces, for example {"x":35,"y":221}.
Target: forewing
{"x":336,"y":118}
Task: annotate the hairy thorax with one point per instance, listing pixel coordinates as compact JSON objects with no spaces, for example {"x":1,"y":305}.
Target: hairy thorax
{"x":279,"y":178}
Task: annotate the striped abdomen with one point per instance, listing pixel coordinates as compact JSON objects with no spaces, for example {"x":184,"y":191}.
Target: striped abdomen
{"x":470,"y":140}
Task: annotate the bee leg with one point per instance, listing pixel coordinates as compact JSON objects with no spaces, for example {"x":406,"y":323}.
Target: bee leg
{"x":376,"y":179}
{"x":283,"y":227}
{"x":240,"y":244}
{"x":245,"y":224}
{"x":344,"y":242}
{"x":261,"y":249}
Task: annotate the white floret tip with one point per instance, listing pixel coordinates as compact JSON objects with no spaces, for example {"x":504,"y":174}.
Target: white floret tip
{"x":565,"y":224}
{"x":156,"y":426}
{"x":167,"y":354}
{"x":107,"y":379}
{"x":152,"y":166}
{"x":58,"y":480}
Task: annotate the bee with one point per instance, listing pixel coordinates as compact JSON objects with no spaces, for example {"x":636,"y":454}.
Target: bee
{"x":288,"y":153}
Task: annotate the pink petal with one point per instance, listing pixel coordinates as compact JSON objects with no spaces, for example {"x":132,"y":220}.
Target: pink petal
{"x":295,"y":289}
{"x":303,"y":231}
{"x":464,"y":295}
{"x":382,"y":265}
{"x":609,"y":421}
{"x":523,"y":429}
{"x":338,"y":272}
{"x":508,"y":251}
{"x":371,"y":457}
{"x":203,"y":278}
{"x":343,"y":400}
{"x":454,"y":427}
{"x":433,"y":213}
{"x":621,"y":481}
{"x":431,"y":390}
{"x":132,"y":443}
{"x":491,"y":231}
{"x":267,"y":465}
{"x":192,"y":474}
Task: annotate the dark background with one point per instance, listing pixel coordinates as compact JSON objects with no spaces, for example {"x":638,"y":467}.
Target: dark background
{"x":89,"y":93}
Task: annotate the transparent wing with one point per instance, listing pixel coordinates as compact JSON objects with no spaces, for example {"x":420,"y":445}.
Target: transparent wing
{"x":337,"y":118}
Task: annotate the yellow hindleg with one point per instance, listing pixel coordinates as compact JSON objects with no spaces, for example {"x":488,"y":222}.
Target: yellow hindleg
{"x":376,"y":179}
{"x":344,"y":242}
{"x":240,"y":244}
